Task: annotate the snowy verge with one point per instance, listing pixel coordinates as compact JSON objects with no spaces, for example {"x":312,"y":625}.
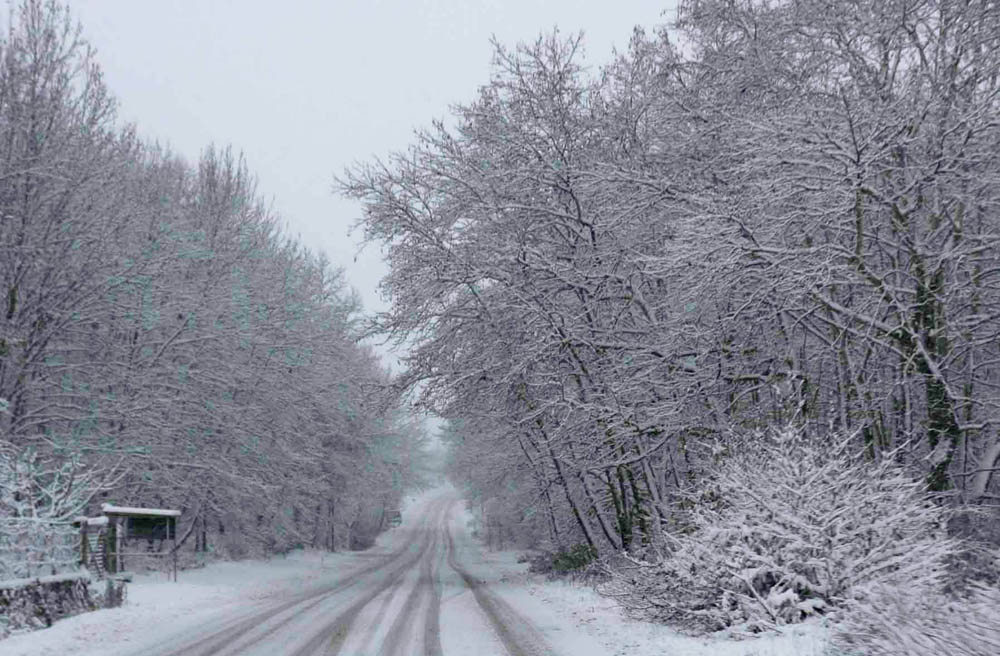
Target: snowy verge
{"x":576,"y":620}
{"x":157,"y":610}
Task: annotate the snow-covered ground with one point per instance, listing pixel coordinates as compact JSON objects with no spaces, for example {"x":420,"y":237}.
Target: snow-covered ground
{"x":158,"y":608}
{"x":577,"y":620}
{"x":570,"y":619}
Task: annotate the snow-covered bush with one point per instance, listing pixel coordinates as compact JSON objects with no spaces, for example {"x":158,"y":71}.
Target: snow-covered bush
{"x":578,"y":561}
{"x":789,"y":526}
{"x":38,"y":500}
{"x":911,"y":620}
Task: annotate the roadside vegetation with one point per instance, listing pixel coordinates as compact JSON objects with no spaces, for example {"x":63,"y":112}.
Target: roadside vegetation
{"x":724,"y":311}
{"x":164,"y":342}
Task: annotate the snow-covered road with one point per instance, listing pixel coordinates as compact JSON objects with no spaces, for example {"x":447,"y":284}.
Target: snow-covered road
{"x":426,"y":588}
{"x":395,"y":605}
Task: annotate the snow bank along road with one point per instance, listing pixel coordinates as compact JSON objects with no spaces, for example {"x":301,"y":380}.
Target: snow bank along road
{"x":391,"y":606}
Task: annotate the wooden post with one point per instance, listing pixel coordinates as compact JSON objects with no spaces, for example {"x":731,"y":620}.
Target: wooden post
{"x":110,"y":542}
{"x":173,"y":534}
{"x":333,"y":526}
{"x":84,"y":544}
{"x":118,"y":546}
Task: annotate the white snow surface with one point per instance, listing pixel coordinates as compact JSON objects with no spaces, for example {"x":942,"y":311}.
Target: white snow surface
{"x":10,"y":584}
{"x":129,"y":510}
{"x":572,"y":619}
{"x":575,"y":620}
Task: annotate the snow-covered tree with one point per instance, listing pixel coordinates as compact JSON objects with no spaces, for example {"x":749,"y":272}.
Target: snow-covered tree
{"x":786,"y":217}
{"x":157,"y":321}
{"x":39,"y":497}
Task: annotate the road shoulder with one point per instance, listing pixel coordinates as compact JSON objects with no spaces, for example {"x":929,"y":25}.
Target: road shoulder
{"x":574,"y":619}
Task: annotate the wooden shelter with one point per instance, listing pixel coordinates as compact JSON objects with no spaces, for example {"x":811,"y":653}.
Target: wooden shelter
{"x":102,"y":539}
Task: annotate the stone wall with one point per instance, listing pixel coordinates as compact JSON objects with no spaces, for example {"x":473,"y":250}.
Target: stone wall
{"x":27,"y":604}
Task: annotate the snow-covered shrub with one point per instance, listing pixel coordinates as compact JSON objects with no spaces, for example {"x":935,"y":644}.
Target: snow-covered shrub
{"x":911,"y":620}
{"x":573,"y":561}
{"x":789,"y":526}
{"x":978,"y":527}
{"x":38,"y":500}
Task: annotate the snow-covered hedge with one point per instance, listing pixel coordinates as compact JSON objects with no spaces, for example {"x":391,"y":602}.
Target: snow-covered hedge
{"x":913,"y":621}
{"x":788,"y":527}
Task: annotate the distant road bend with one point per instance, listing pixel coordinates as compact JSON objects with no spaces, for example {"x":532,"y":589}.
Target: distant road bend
{"x":391,"y":607}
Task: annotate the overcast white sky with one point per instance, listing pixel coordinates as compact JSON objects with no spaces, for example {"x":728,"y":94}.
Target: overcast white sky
{"x":307,"y":87}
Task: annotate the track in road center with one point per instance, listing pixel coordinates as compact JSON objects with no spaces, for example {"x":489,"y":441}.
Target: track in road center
{"x":337,"y":632}
{"x":422,"y":602}
{"x":516,"y":634}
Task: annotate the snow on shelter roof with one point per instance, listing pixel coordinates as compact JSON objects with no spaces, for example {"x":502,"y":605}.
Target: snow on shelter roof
{"x":109,"y":509}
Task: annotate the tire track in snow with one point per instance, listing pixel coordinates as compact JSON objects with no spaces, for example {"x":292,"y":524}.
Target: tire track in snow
{"x":331,"y":639}
{"x":516,"y":633}
{"x":395,"y":639}
{"x":432,"y":626}
{"x":234,"y":632}
{"x":242,"y":632}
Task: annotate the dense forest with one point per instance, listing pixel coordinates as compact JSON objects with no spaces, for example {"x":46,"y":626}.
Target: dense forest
{"x":727,"y":307}
{"x":163,"y":341}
